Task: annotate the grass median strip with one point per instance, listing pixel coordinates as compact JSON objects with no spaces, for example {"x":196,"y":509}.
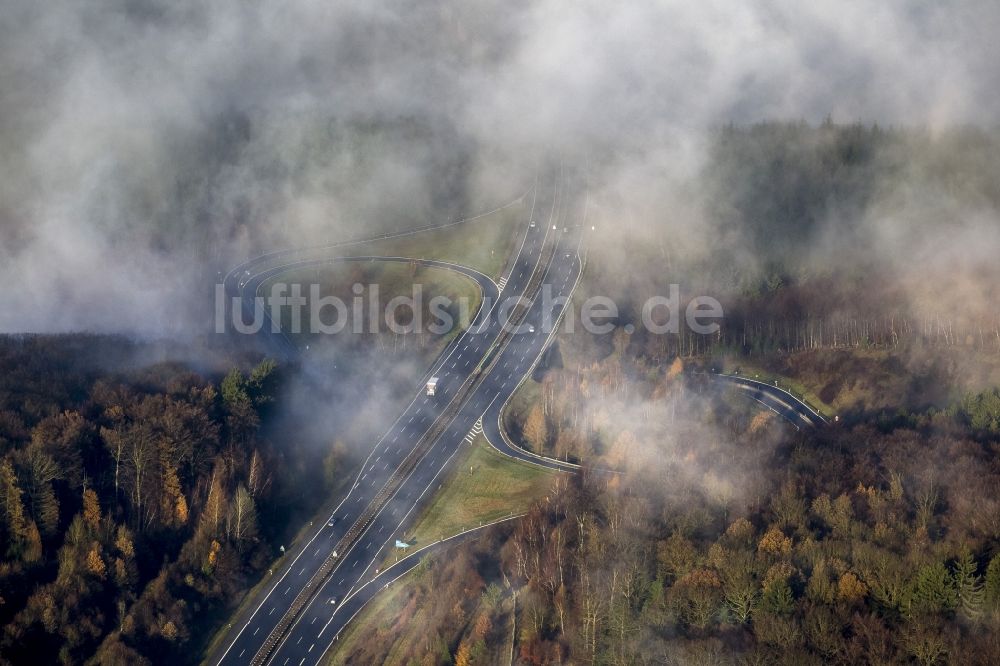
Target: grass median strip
{"x":482,"y":486}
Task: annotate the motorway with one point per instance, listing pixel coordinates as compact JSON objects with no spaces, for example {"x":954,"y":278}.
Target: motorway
{"x":314,"y":594}
{"x":405,"y":466}
{"x":779,"y":401}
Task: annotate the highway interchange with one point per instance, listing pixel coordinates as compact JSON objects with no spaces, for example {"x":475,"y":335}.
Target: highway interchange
{"x":550,"y":248}
{"x":478,"y":371}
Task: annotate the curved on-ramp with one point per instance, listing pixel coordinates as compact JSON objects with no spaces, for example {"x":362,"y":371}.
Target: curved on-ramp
{"x":776,"y":399}
{"x":524,"y":353}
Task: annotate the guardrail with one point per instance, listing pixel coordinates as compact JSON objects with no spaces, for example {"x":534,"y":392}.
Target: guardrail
{"x":801,"y":399}
{"x":395,"y":481}
{"x":372,"y":239}
{"x":399,"y":475}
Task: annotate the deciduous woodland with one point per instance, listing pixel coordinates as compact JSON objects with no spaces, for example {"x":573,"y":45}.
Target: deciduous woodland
{"x":136,"y":503}
{"x":725,"y":537}
{"x":722,"y":535}
{"x":829,"y":236}
{"x":139,"y":500}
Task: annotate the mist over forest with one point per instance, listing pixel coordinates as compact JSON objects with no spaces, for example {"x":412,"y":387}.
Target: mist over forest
{"x":828,"y":171}
{"x":147,"y":146}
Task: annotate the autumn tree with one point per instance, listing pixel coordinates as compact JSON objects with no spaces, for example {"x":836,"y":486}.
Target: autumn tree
{"x":41,"y":472}
{"x":95,"y":563}
{"x":535,"y":429}
{"x":242,"y":519}
{"x":13,"y":511}
{"x":851,"y":589}
{"x":65,"y":437}
{"x":775,"y":543}
{"x":91,"y":509}
{"x":698,"y":596}
{"x":10,"y":496}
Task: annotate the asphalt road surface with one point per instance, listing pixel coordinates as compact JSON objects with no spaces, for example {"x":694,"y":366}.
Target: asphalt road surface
{"x":779,"y":401}
{"x":559,"y":223}
{"x":555,"y":206}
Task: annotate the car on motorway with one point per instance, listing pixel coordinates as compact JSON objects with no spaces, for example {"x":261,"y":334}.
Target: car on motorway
{"x":532,"y":224}
{"x":531,"y":329}
{"x":330,"y":522}
{"x":333,"y":601}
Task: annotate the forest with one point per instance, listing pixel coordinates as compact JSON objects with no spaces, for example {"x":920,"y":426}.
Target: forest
{"x":725,"y":537}
{"x":722,"y":536}
{"x":138,"y":499}
{"x":820,"y":236}
{"x":141,"y":497}
{"x":860,"y":544}
{"x":703,"y":530}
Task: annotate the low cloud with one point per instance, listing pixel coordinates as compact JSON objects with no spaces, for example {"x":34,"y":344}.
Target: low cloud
{"x":148,"y":145}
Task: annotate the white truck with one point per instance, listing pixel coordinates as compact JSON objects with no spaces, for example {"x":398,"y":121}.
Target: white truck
{"x":432,"y":385}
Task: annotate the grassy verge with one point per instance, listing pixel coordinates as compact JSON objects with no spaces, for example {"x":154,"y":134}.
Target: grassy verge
{"x":375,"y":619}
{"x":483,"y":243}
{"x":403,"y":623}
{"x":483,"y":486}
{"x":393,"y":280}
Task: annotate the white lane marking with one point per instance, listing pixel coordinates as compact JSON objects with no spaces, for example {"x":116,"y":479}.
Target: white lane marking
{"x":356,"y":485}
{"x":256,"y":630}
